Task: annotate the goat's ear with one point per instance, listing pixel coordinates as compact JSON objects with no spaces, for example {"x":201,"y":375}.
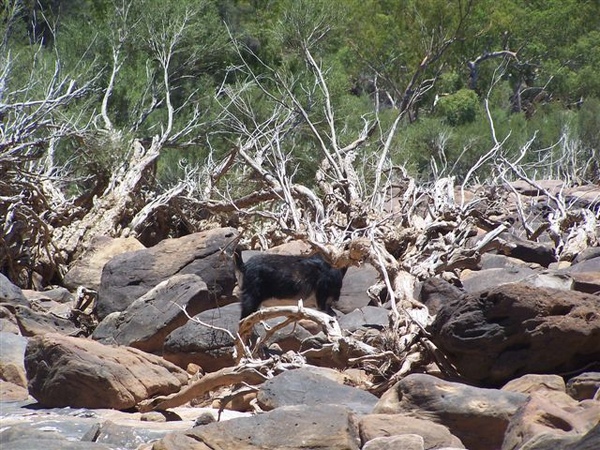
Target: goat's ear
{"x":238,"y":260}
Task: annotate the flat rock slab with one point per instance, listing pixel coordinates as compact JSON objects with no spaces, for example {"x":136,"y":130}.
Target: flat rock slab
{"x":147,"y":321}
{"x":303,"y":387}
{"x":130,"y":275}
{"x":478,"y":417}
{"x":33,"y":323}
{"x":329,"y":427}
{"x":81,"y":373}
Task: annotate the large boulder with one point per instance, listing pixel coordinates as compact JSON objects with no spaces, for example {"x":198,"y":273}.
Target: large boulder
{"x":148,"y":320}
{"x":207,"y":340}
{"x":517,"y":329}
{"x":207,"y":254}
{"x":434,"y":435}
{"x":81,"y":373}
{"x":303,"y":387}
{"x":330,"y":427}
{"x":87,"y":269}
{"x":552,"y":420}
{"x":477,"y":416}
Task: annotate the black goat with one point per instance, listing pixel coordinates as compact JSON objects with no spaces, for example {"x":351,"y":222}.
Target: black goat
{"x":287,"y":277}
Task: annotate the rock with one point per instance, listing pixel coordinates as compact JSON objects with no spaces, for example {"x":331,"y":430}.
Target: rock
{"x":148,"y":320}
{"x":516,"y":329}
{"x":434,"y":292}
{"x":25,"y":438}
{"x":354,"y":288}
{"x":550,"y":417}
{"x":289,"y":337}
{"x":11,"y":294}
{"x":403,"y":441}
{"x":56,"y":294}
{"x":365,"y":317}
{"x":128,"y":276}
{"x":588,"y":253}
{"x":376,"y":426}
{"x":330,"y":427}
{"x":12,"y":352}
{"x":495,"y":261}
{"x":87,"y":269}
{"x":586,"y":275}
{"x":584,"y":196}
{"x":303,"y":387}
{"x":66,"y":371}
{"x":528,"y":251}
{"x":584,"y":386}
{"x":481,"y":280}
{"x":210,"y":348}
{"x":477,"y":416}
{"x":533,"y":382}
{"x":121,"y":436}
{"x":8,"y":320}
{"x":33,"y":323}
{"x":11,"y":392}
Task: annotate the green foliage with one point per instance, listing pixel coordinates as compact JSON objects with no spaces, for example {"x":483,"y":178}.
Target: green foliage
{"x":367,"y":49}
{"x":459,"y":108}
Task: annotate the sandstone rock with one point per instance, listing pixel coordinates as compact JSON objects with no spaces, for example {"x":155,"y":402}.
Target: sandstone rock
{"x":586,"y":275}
{"x":550,"y":417}
{"x":434,"y":435}
{"x":588,"y":253}
{"x":584,"y":386}
{"x":8,"y":320}
{"x":403,"y":441}
{"x":33,"y":323}
{"x":66,"y":371}
{"x":329,"y":427}
{"x":517,"y":329}
{"x":303,"y":387}
{"x":496,"y":261}
{"x":480,"y":280}
{"x":11,"y":294}
{"x":11,"y":392}
{"x":584,"y":196}
{"x":12,"y":352}
{"x":56,"y":294}
{"x":354,"y":288}
{"x":25,"y":438}
{"x":289,"y":337}
{"x":533,"y":382}
{"x":434,"y":292}
{"x":121,"y":436}
{"x":148,"y":320}
{"x":478,"y":417}
{"x":87,"y":269}
{"x":365,"y":317}
{"x":128,"y":276}
{"x":528,"y":251}
{"x":196,"y":343}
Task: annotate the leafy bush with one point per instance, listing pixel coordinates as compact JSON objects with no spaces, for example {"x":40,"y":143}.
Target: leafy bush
{"x":459,"y":108}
